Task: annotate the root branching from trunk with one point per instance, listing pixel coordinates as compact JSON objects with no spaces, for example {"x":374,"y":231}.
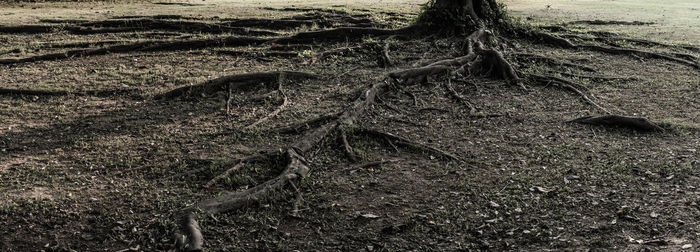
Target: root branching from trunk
{"x":296,"y":167}
{"x":481,"y":57}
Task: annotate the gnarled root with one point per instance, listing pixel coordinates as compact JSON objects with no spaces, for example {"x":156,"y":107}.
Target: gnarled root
{"x":296,"y":166}
{"x":191,"y":238}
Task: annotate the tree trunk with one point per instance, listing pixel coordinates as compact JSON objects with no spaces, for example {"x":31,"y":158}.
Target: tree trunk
{"x":463,"y":16}
{"x":458,"y":9}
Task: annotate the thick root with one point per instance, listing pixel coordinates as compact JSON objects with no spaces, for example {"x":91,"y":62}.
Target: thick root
{"x":343,"y":34}
{"x":141,"y":47}
{"x":236,"y":82}
{"x":637,"y":123}
{"x":610,"y":22}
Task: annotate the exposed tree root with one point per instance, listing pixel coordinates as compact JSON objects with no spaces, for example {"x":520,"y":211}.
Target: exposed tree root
{"x":142,"y":47}
{"x":637,"y":123}
{"x":83,"y":44}
{"x":615,"y":43}
{"x":318,"y":10}
{"x":339,"y":34}
{"x":406,"y":143}
{"x":546,"y":38}
{"x":553,"y":40}
{"x":225,"y":174}
{"x":561,"y":83}
{"x":457,"y":96}
{"x":296,"y":168}
{"x":303,"y":126}
{"x":613,"y":39}
{"x":610,"y":22}
{"x":346,"y":146}
{"x":155,"y":17}
{"x":276,"y":24}
{"x":336,"y":51}
{"x":131,"y":25}
{"x":595,"y":78}
{"x":494,"y":65}
{"x":238,"y":81}
{"x":259,"y":53}
{"x":640,"y":53}
{"x":385,"y":60}
{"x":551,"y":61}
{"x":343,"y":34}
{"x":290,"y":47}
{"x":491,"y":62}
{"x":478,"y":60}
{"x":95,"y":93}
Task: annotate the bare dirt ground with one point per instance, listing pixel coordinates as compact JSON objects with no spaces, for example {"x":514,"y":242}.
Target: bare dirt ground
{"x":94,"y":162}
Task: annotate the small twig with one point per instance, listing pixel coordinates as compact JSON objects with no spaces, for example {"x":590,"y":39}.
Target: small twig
{"x":224,"y":174}
{"x":299,"y":127}
{"x":228,"y":100}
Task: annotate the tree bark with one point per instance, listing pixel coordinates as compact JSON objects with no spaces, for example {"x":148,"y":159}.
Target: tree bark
{"x":459,"y":9}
